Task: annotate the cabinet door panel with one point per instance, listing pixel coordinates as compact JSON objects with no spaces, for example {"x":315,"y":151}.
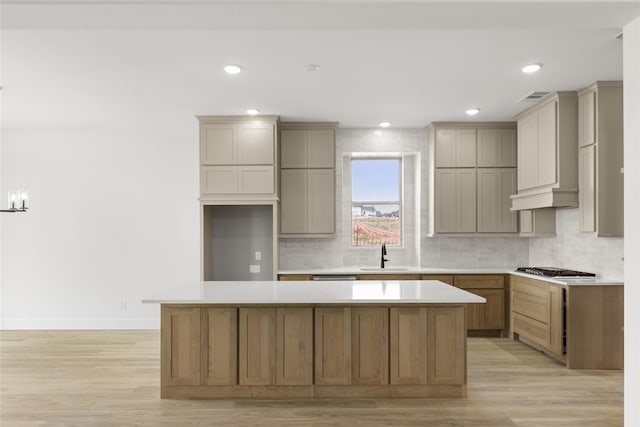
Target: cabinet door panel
{"x":495,"y":187}
{"x":587,"y":119}
{"x":180,"y":345}
{"x":220,"y":346}
{"x":255,"y":144}
{"x":218,"y":145}
{"x":547,"y":145}
{"x":408,"y":342}
{"x":255,"y":180}
{"x":528,"y":152}
{"x":490,"y":315}
{"x":587,"y":188}
{"x":445,"y":148}
{"x":293,"y":148}
{"x":446,"y":201}
{"x":256,"y":347}
{"x":294,"y":348}
{"x":370,"y":345}
{"x":293,"y":199}
{"x":466,"y":200}
{"x":333,"y":346}
{"x":446,"y":351}
{"x":321,"y":201}
{"x":219,"y":179}
{"x":465,"y":147}
{"x":321,"y":148}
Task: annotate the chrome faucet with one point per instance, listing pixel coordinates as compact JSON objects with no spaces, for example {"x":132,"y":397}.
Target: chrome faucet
{"x":382,"y":256}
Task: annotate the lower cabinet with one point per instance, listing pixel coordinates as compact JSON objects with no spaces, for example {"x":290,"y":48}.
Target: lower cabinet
{"x":306,"y":351}
{"x":487,"y":318}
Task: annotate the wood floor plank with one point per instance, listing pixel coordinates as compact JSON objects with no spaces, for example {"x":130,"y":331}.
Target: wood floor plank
{"x":112,"y":378}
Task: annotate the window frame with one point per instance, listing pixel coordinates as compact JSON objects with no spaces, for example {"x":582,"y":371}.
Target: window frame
{"x":361,"y":203}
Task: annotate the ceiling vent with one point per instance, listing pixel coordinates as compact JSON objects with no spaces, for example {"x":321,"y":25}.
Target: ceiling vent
{"x":533,"y":96}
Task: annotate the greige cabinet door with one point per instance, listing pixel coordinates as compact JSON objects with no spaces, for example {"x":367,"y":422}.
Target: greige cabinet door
{"x":293,"y":148}
{"x":547,"y":145}
{"x":495,"y":187}
{"x":497,"y":148}
{"x":587,"y":119}
{"x":255,"y":180}
{"x":293,"y":201}
{"x":455,"y":200}
{"x":455,"y":148}
{"x":219,"y":179}
{"x":218,"y":144}
{"x":321,"y":201}
{"x":256,"y":144}
{"x":321,"y":148}
{"x":528,"y":152}
{"x":587,"y":188}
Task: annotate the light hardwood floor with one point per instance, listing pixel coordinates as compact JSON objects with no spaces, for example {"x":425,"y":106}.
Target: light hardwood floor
{"x":112,"y":378}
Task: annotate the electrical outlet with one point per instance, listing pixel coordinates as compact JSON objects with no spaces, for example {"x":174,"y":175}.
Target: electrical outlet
{"x":258,"y":255}
{"x":254,"y":268}
{"x":123,"y":305}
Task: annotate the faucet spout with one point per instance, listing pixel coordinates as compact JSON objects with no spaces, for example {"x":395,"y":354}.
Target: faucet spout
{"x":382,"y":256}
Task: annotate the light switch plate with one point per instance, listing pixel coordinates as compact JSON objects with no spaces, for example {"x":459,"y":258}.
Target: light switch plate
{"x":254,"y":268}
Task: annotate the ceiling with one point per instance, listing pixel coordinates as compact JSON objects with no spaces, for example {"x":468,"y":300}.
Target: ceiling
{"x":88,"y":64}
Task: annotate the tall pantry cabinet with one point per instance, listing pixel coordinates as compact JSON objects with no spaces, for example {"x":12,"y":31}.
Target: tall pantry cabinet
{"x":600,"y":140}
{"x":472,"y":176}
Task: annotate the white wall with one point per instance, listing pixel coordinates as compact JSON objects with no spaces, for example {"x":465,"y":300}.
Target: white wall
{"x":113,"y":219}
{"x":631,"y":226}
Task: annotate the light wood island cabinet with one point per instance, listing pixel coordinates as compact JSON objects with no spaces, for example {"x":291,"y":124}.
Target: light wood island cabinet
{"x":405,"y":348}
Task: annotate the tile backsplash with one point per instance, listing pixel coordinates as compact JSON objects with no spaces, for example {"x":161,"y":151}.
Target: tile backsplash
{"x":578,"y":251}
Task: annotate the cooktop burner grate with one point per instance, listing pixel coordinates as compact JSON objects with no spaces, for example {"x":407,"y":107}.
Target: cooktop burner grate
{"x":554,"y":272}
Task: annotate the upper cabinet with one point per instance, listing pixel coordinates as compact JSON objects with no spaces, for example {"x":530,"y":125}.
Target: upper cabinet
{"x":307,"y":176}
{"x":472,"y":176}
{"x":548,"y":153}
{"x":237,"y":157}
{"x":600,"y":135}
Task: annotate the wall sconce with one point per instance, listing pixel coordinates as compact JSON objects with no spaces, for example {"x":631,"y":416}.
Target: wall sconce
{"x":18,"y":201}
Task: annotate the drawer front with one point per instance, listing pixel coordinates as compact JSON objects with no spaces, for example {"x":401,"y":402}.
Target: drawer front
{"x":531,"y":306}
{"x":529,"y":286}
{"x":484,"y":281}
{"x":535,"y":331}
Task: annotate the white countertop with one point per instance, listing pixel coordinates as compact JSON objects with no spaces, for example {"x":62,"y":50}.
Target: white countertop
{"x":398,"y":270}
{"x":308,"y":292}
{"x":584,"y":281}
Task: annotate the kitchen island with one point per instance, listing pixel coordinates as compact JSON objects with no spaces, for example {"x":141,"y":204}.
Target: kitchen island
{"x":305,"y":339}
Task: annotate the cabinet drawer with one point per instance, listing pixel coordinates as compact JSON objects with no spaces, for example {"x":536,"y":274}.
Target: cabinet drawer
{"x":528,"y":286}
{"x":532,"y":306}
{"x":479,"y":281}
{"x":535,"y":331}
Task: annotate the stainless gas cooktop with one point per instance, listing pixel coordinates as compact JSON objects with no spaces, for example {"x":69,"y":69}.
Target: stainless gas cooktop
{"x":554,"y":272}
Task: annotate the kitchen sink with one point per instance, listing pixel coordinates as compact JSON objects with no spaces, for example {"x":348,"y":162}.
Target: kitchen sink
{"x":384,"y":269}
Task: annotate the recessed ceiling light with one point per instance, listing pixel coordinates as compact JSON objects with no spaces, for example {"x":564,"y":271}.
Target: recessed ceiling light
{"x":472,"y":111}
{"x":232,"y":69}
{"x":531,"y":68}
{"x":311,"y":67}
{"x":385,"y":124}
{"x":252,"y":111}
